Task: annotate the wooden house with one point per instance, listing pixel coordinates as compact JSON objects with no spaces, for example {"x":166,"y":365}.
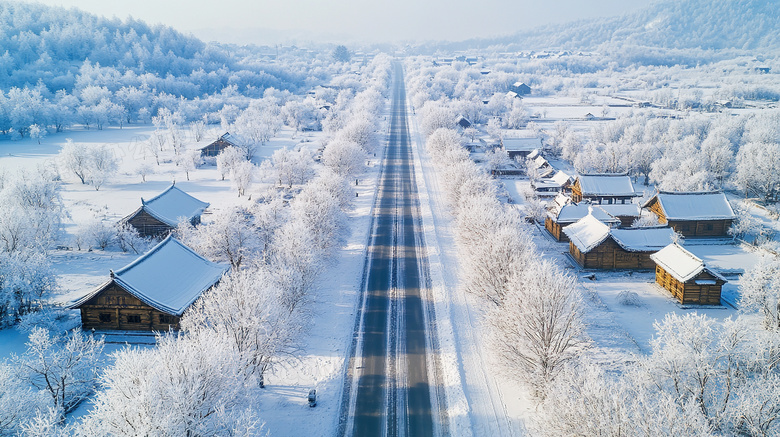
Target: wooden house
{"x":463,"y":122}
{"x":152,"y":292}
{"x":594,"y":245}
{"x":686,"y":276}
{"x":161,"y":214}
{"x":222,"y":143}
{"x":521,"y":147}
{"x":520,"y":88}
{"x":559,"y":217}
{"x":607,"y":188}
{"x":697,"y":214}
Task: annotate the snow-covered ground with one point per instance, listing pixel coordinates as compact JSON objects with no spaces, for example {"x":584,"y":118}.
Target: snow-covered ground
{"x":332,"y":310}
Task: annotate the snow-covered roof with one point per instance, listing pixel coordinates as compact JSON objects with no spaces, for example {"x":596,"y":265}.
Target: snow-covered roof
{"x":522,"y":144}
{"x":622,"y":209}
{"x":643,"y":239}
{"x":587,"y":233}
{"x":607,"y":185}
{"x":540,"y":161}
{"x":570,"y":213}
{"x":227,"y":137}
{"x":172,"y":204}
{"x":681,"y":264}
{"x":169,"y":278}
{"x":694,"y":206}
{"x":561,"y":178}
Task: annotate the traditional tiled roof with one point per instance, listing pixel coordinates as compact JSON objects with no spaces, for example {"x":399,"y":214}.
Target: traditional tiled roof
{"x":168,"y":278}
{"x":173,"y":204}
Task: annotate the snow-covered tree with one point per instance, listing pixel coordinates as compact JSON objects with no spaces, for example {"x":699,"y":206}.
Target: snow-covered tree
{"x":538,"y":328}
{"x":66,"y":367}
{"x":18,"y":403}
{"x":760,"y":291}
{"x":75,"y":158}
{"x":229,"y":158}
{"x":344,"y":158}
{"x":242,"y":175}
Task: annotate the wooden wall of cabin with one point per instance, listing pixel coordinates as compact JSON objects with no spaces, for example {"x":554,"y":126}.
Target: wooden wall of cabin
{"x":114,"y":308}
{"x":701,"y":228}
{"x":576,"y":192}
{"x":148,"y":226}
{"x":690,"y":292}
{"x":555,"y":229}
{"x":609,"y":255}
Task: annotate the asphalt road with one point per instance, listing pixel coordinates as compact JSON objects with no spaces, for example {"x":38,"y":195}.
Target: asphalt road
{"x":392,"y":395}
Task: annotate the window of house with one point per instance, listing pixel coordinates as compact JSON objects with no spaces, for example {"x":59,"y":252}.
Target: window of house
{"x":104,"y":317}
{"x":165,"y":318}
{"x":709,"y":226}
{"x":133,"y":318}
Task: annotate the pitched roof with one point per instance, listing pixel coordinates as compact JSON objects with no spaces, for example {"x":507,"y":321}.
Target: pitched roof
{"x":172,"y":204}
{"x":706,"y":205}
{"x":624,"y":210}
{"x":643,"y":239}
{"x":169,"y":278}
{"x":572,"y":212}
{"x":587,"y":233}
{"x":681,"y":264}
{"x":607,"y":185}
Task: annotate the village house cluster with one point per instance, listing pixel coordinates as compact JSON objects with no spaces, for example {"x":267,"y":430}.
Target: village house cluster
{"x":596,"y":216}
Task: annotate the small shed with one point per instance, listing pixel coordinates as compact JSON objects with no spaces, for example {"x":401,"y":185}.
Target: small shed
{"x":686,"y":276}
{"x":521,"y":147}
{"x":222,"y":143}
{"x":558,"y":218}
{"x":463,"y":122}
{"x":152,"y":292}
{"x":693,"y":214}
{"x":161,"y":214}
{"x":520,"y":88}
{"x":625,"y":212}
{"x":604,"y":188}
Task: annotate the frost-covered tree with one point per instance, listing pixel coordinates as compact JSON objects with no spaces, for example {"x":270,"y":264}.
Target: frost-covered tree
{"x":188,"y":385}
{"x":292,"y":167}
{"x":75,"y":158}
{"x":18,"y":402}
{"x":344,"y":158}
{"x":538,"y":328}
{"x":242,"y":175}
{"x":65,"y":367}
{"x":760,"y":291}
{"x":229,"y":158}
{"x":756,"y":170}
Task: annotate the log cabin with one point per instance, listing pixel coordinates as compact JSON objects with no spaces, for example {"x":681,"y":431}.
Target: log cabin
{"x":152,"y":292}
{"x":594,"y":245}
{"x":222,"y":143}
{"x":693,"y":214}
{"x":686,"y":276}
{"x":160,"y":215}
{"x":521,"y":147}
{"x":560,"y":217}
{"x":560,"y":182}
{"x":606,"y":188}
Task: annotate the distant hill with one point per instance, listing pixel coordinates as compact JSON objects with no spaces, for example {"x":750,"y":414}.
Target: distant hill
{"x":50,"y":45}
{"x":684,"y":24}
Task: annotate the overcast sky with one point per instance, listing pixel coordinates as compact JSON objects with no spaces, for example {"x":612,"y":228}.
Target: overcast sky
{"x":353,"y":20}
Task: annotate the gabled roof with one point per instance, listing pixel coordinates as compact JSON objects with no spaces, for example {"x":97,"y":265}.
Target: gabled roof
{"x":522,"y":144}
{"x":643,"y":239}
{"x":608,"y":184}
{"x":572,"y":212}
{"x":706,"y":205}
{"x":169,"y":278}
{"x":622,"y":209}
{"x":172,"y":204}
{"x":681,"y":264}
{"x":587,"y":233}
